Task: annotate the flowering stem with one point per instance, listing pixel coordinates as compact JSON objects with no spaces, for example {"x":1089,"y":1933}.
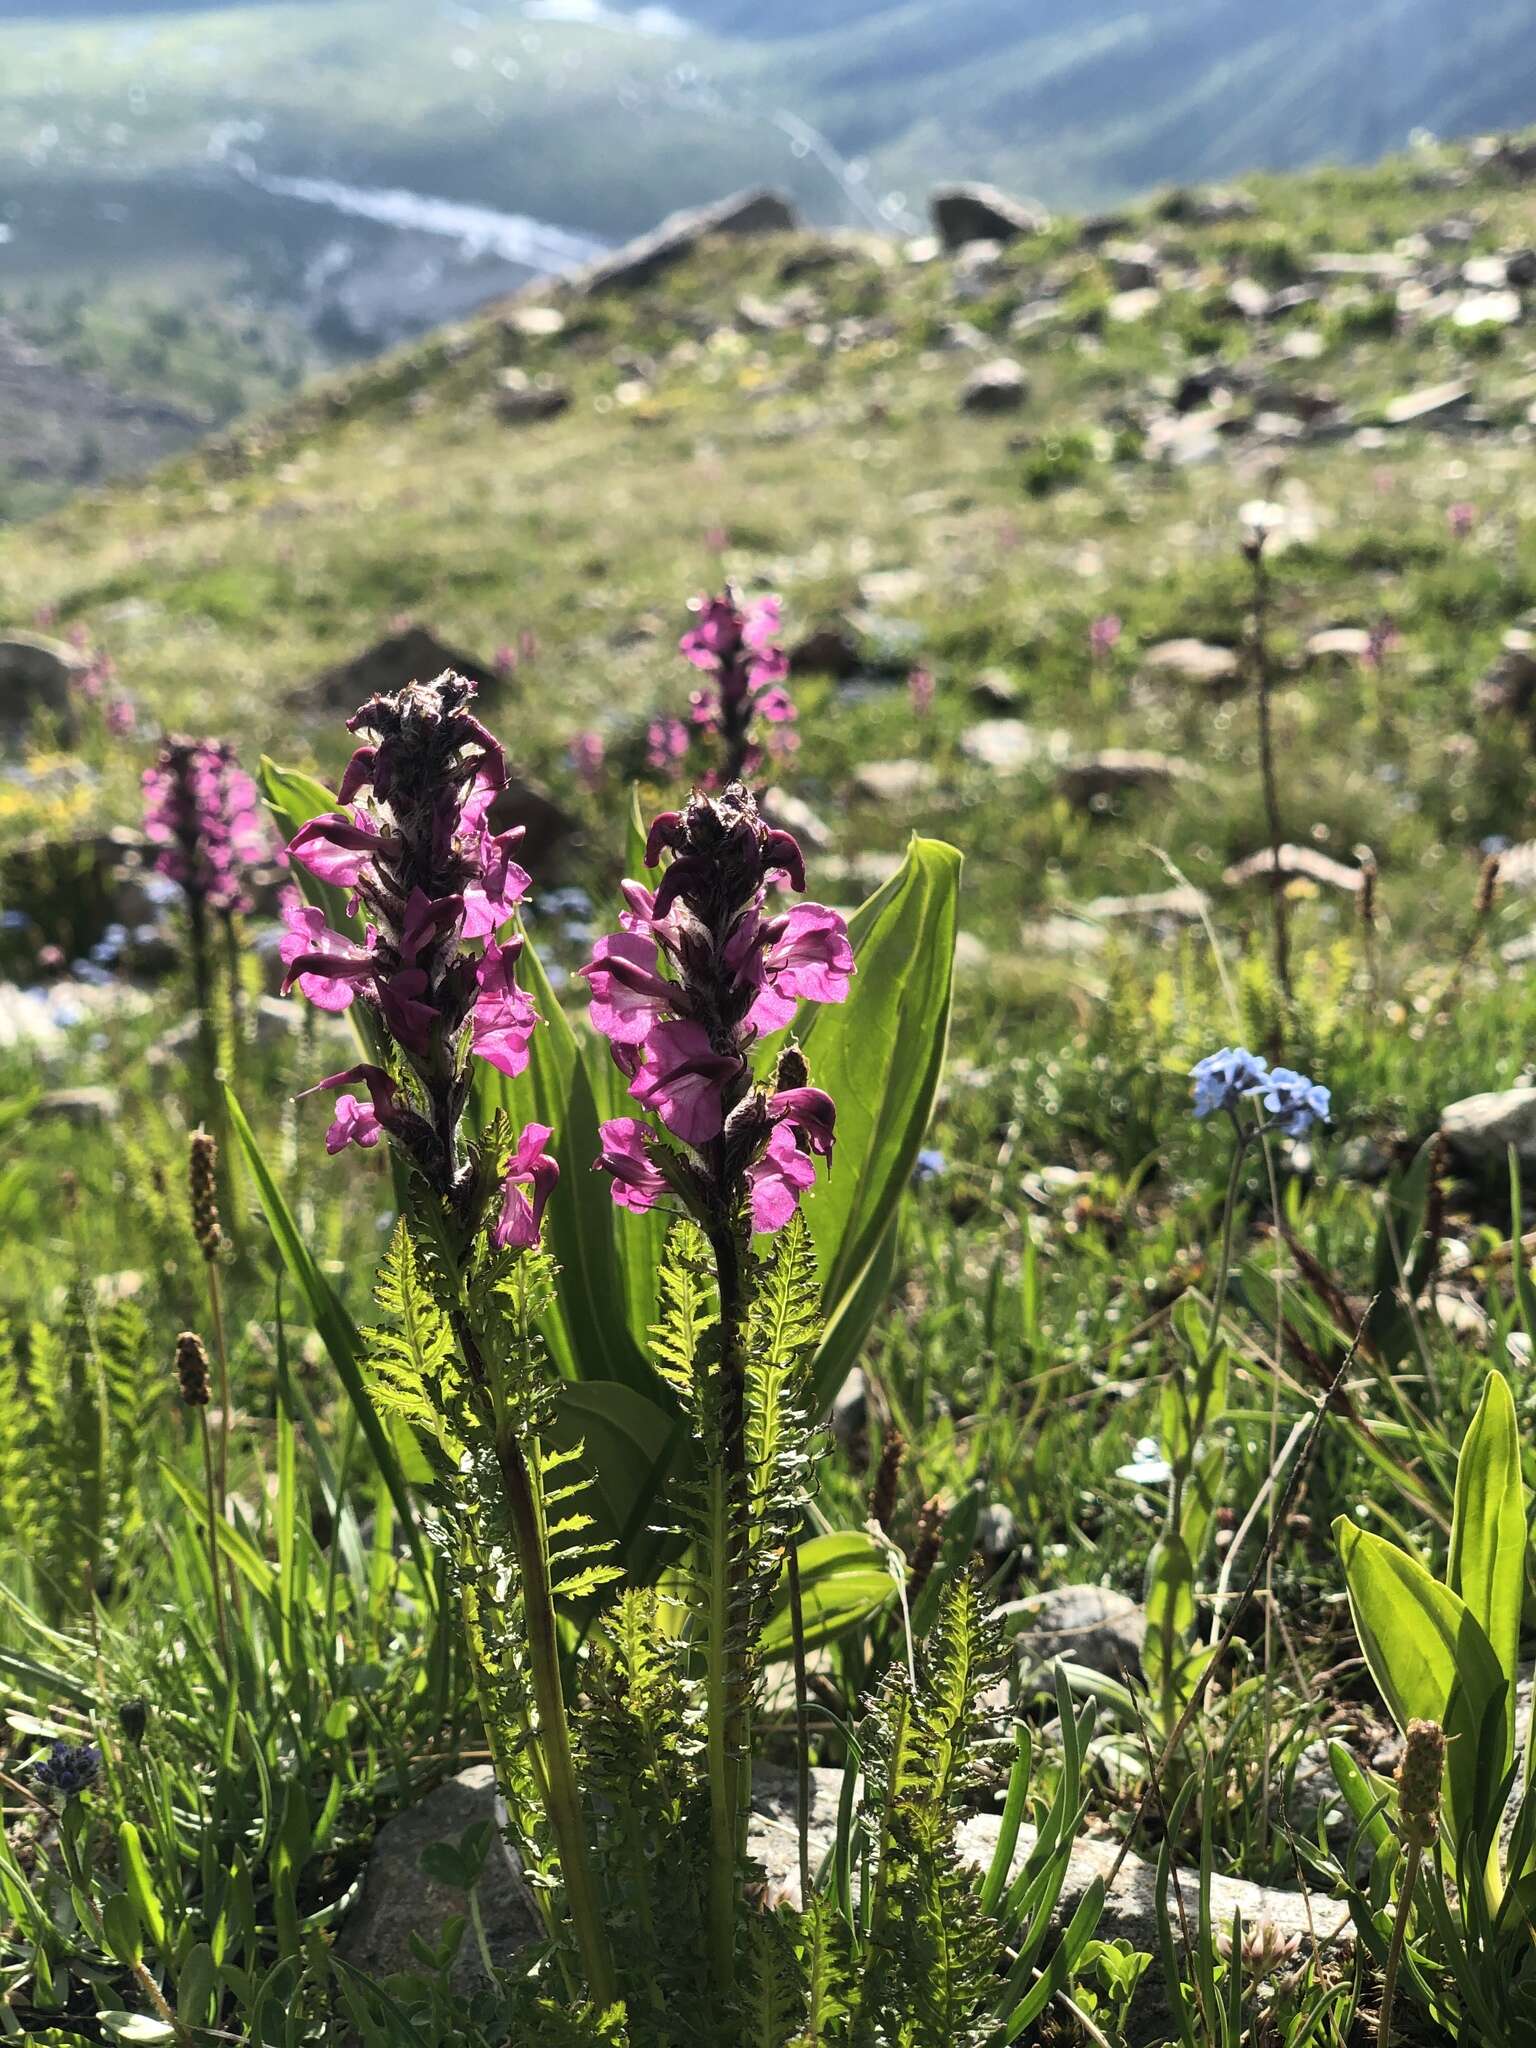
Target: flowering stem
{"x":730,"y":1765}
{"x":214,"y":1518}
{"x":1411,"y":1861}
{"x":1261,"y":663}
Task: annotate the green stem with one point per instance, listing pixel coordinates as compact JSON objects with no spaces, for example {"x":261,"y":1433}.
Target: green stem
{"x":1267,"y":771}
{"x":730,"y":1763}
{"x":214,"y":1517}
{"x":1399,"y":1938}
{"x":562,"y":1793}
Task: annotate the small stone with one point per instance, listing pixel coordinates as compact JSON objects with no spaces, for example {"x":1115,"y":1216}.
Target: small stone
{"x":1248,"y":298}
{"x":965,"y":213}
{"x":1433,"y":405}
{"x":1008,"y":747}
{"x":83,"y":1108}
{"x":1193,"y":661}
{"x":1088,"y":1625}
{"x":1480,"y":1129}
{"x":521,"y":398}
{"x":850,"y":1408}
{"x":997,"y":1533}
{"x":1126,"y":308}
{"x":1339,"y":643}
{"x":998,"y":386}
{"x":1375,"y":266}
{"x":1161,"y":908}
{"x":755,"y":212}
{"x":895,"y":782}
{"x":1131,"y":265}
{"x":1487,"y":309}
{"x":1106,"y":774}
{"x":1302,"y":861}
{"x":37,"y":675}
{"x":534,"y":323}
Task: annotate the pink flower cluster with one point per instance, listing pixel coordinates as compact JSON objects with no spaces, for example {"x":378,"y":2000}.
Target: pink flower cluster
{"x":412,"y":844}
{"x":700,"y":970}
{"x":202,"y":812}
{"x":737,"y":645}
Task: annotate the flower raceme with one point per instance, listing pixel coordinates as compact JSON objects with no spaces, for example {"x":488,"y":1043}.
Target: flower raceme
{"x":202,"y":813}
{"x":736,"y":644}
{"x":411,"y":841}
{"x":701,"y":969}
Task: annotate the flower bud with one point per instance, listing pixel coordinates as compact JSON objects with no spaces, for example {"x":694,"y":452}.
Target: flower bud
{"x":1419,"y":1778}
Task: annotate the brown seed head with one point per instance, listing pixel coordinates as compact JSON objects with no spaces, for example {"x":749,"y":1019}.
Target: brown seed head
{"x":192,"y":1369}
{"x":202,"y":1184}
{"x":1419,"y":1777}
{"x":882,"y":1495}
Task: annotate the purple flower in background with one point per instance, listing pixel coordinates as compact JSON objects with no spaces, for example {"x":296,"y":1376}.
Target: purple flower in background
{"x":587,"y":755}
{"x":433,"y":885}
{"x":1104,"y":637}
{"x":699,"y":972}
{"x":1383,"y":639}
{"x":920,"y":691}
{"x":666,"y":745}
{"x":202,"y":812}
{"x":737,"y":646}
{"x":1461,"y":518}
{"x":504,"y":660}
{"x":120,"y":717}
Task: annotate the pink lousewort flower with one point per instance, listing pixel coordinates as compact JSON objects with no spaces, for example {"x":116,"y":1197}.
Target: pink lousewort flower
{"x":504,"y":660}
{"x":1382,"y":640}
{"x":698,"y":973}
{"x":587,"y":755}
{"x":1461,"y":518}
{"x":666,"y":745}
{"x":203,"y":814}
{"x":737,"y":645}
{"x":530,"y":1181}
{"x":920,"y":686}
{"x":1104,"y":636}
{"x":434,"y":885}
{"x":120,"y":717}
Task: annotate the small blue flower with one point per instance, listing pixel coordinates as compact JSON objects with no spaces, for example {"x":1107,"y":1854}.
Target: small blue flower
{"x":67,"y":1768}
{"x":1295,"y":1102}
{"x":1222,"y":1079}
{"x":931,"y":1165}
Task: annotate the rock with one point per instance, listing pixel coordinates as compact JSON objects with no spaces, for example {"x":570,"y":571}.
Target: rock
{"x":1510,"y":685}
{"x":1105,"y":774}
{"x":1520,"y":267}
{"x":1165,"y":908}
{"x":1087,"y":1625}
{"x":1249,"y":299}
{"x":83,"y":1108}
{"x":998,"y":386}
{"x":827,"y":651}
{"x":413,"y":655}
{"x":546,"y":827}
{"x":1481,"y":1128}
{"x":1008,"y":747}
{"x":1126,"y":308}
{"x":997,"y":1533}
{"x":755,"y":212}
{"x":1131,"y":265}
{"x":534,"y":323}
{"x":850,"y":1408}
{"x":1485,"y":273}
{"x":521,"y":398}
{"x":981,"y":213}
{"x":1377,"y":266}
{"x":1207,"y":206}
{"x":1186,"y":438}
{"x":1435,"y":405}
{"x":1130,"y":1903}
{"x":1193,"y":661}
{"x":994,"y":690}
{"x":37,"y":675}
{"x":895,"y":782}
{"x":399,"y":1900}
{"x":1487,"y":309}
{"x":1339,"y":643}
{"x":1302,"y":861}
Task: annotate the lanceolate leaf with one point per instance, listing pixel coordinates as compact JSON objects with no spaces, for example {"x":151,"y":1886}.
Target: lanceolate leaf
{"x":879,"y":1055}
{"x":844,"y":1579}
{"x":337,"y":1330}
{"x":1488,"y":1532}
{"x":1432,"y":1661}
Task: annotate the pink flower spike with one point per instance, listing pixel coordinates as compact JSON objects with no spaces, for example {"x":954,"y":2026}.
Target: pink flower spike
{"x":811,"y":1112}
{"x":426,"y":920}
{"x":359,"y":772}
{"x":409,"y":1016}
{"x":807,"y":959}
{"x":636,"y":1183}
{"x":504,"y":1016}
{"x":682,"y":1079}
{"x":531,"y":1169}
{"x":326,"y":967}
{"x":334,"y":849}
{"x":778,"y":1179}
{"x":489,"y":902}
{"x":628,"y":996}
{"x":355,"y":1123}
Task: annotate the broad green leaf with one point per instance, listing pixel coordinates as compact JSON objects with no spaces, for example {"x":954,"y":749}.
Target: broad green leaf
{"x":1488,"y":1529}
{"x":337,"y":1330}
{"x":135,"y":2027}
{"x":879,"y":1055}
{"x":590,"y":1338}
{"x":850,"y":1322}
{"x":638,"y":1240}
{"x":844,"y":1579}
{"x":1431,"y":1661}
{"x":1170,"y":1618}
{"x":134,"y":1871}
